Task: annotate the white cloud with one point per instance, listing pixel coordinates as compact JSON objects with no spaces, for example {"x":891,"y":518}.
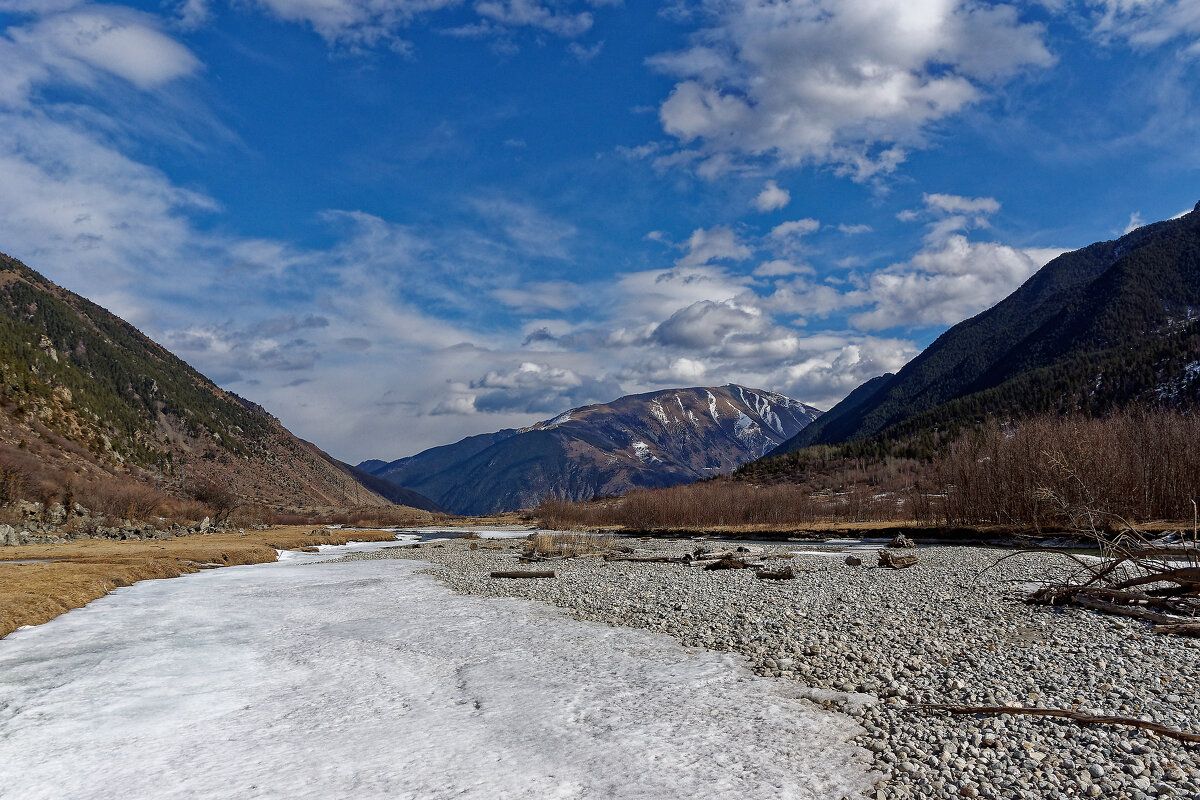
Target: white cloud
{"x":779,"y":268}
{"x":541,"y":295}
{"x":952,"y":277}
{"x":795,"y":229}
{"x":956,"y":204}
{"x":535,"y":14}
{"x":772,"y":198}
{"x":1147,"y":24}
{"x":706,"y":325}
{"x":945,"y":283}
{"x":583,"y":54}
{"x":114,"y":42}
{"x":950,"y":213}
{"x":525,"y":228}
{"x":706,"y":245}
{"x":1135,"y":222}
{"x":84,"y":48}
{"x":854,"y":230}
{"x":369,"y":23}
{"x":355,"y":22}
{"x":849,"y":84}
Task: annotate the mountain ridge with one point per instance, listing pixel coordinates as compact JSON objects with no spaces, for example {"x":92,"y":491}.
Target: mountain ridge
{"x":1096,"y":327}
{"x":97,"y":398}
{"x":637,"y":441}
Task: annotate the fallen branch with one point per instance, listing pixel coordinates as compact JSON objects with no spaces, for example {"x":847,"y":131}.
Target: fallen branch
{"x":549,"y":573}
{"x":785,"y":574}
{"x":727,"y":563}
{"x":1086,"y":719}
{"x":1180,"y":628}
{"x":1137,"y":612}
{"x":650,"y":559}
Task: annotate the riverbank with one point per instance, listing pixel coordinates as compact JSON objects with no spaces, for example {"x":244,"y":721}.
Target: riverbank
{"x":40,"y":582}
{"x":940,"y":632}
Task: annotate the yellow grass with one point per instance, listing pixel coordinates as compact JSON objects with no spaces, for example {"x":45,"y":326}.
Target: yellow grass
{"x":570,"y":543}
{"x":85,"y":570}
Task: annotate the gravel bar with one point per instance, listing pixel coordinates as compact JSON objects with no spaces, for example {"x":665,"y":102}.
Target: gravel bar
{"x":882,"y":640}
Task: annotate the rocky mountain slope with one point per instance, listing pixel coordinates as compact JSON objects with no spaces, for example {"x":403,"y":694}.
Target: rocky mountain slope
{"x":1115,"y":323}
{"x":656,"y":439}
{"x":86,"y":398}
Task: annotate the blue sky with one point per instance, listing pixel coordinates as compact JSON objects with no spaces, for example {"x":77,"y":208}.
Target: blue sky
{"x":398,"y":222}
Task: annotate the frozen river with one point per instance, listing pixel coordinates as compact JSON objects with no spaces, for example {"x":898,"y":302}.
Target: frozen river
{"x":368,"y":680}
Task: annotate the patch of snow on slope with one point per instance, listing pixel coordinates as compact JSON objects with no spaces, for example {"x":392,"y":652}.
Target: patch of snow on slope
{"x":642,"y":451}
{"x":1170,"y":390}
{"x":657,"y":411}
{"x":368,"y":680}
{"x":745,"y":427}
{"x":559,"y":420}
{"x":712,"y":407}
{"x":765,"y":411}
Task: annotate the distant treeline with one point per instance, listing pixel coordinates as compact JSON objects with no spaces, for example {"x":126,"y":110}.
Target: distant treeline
{"x":1042,"y":472}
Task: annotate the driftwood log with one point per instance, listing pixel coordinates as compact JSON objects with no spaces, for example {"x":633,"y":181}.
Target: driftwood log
{"x":650,"y":559}
{"x":1179,"y":628}
{"x":548,"y":573}
{"x":890,"y":558}
{"x":1087,"y":719}
{"x":784,"y":574}
{"x":728,"y":562}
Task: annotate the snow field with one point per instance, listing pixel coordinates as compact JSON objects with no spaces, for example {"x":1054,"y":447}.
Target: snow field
{"x":369,"y":680}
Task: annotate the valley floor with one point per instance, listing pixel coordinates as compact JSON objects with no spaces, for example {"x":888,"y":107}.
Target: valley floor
{"x":880,"y":641}
{"x":368,"y":680}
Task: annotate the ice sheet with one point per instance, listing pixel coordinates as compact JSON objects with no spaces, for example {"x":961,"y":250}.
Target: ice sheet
{"x":366,"y":680}
{"x":498,"y":532}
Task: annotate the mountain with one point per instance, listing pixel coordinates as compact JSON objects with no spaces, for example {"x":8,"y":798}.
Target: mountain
{"x":1115,"y":323}
{"x":646,"y":440}
{"x":85,"y":397}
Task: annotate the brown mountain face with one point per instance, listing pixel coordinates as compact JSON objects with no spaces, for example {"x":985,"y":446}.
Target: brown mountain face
{"x":656,"y":439}
{"x":86,"y":399}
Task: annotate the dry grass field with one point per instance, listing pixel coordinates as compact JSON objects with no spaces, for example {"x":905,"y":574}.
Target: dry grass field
{"x":39,"y":582}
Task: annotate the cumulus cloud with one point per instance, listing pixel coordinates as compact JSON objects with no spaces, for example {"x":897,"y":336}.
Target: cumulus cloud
{"x":952,"y":277}
{"x":705,"y":246}
{"x":946,"y":283}
{"x":278,"y":344}
{"x":706,"y":325}
{"x":772,"y":198}
{"x":950,"y":213}
{"x":538,"y":388}
{"x":848,"y":84}
{"x":795,"y":229}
